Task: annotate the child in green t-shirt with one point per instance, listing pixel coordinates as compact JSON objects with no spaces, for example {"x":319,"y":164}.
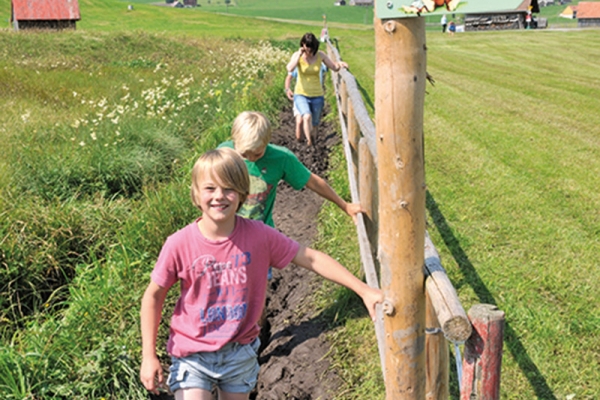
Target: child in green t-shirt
{"x":268,"y":164}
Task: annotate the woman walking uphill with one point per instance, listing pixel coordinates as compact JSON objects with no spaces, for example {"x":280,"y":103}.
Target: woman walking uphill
{"x":308,"y":93}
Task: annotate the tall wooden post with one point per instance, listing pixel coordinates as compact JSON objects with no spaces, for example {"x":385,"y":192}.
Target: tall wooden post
{"x":399,"y":101}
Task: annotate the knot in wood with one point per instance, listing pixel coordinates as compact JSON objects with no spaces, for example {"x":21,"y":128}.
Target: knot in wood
{"x":389,"y":27}
{"x":388,"y":308}
{"x":399,"y":163}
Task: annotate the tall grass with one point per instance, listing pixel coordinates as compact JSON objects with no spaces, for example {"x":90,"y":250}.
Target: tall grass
{"x":98,"y":153}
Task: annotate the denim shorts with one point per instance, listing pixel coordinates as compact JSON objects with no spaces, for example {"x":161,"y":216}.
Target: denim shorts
{"x":233,"y":369}
{"x":310,"y":105}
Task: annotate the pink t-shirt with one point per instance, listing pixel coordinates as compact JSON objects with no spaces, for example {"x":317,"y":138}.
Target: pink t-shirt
{"x":223,"y":283}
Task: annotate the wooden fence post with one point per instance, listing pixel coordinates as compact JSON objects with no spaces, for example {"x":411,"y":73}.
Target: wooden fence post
{"x":367,"y":189}
{"x":353,"y":129}
{"x":438,"y":357}
{"x":344,"y":98}
{"x":483,"y":354}
{"x":399,"y":100}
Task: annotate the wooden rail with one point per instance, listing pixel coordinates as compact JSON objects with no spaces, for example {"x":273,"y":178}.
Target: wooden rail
{"x":444,"y":312}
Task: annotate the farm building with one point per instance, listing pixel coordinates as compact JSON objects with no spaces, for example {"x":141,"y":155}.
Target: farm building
{"x":499,"y":20}
{"x":588,"y":14}
{"x":570,"y":12}
{"x":44,"y":14}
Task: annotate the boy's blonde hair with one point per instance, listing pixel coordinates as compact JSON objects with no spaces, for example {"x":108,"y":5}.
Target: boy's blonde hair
{"x":227,"y":168}
{"x":251,"y":131}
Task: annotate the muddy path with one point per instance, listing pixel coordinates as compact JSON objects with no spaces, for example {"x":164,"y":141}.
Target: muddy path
{"x":294,"y":360}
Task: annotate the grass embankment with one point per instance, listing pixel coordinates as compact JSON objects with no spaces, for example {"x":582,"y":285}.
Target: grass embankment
{"x":99,"y":134}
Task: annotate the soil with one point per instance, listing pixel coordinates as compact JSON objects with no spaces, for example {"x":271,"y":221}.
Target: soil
{"x":294,"y":362}
{"x":293,"y":358}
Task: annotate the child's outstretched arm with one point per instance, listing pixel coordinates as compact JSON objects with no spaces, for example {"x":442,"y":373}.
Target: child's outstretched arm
{"x":322,"y":188}
{"x":332,"y":270}
{"x":151,"y":373}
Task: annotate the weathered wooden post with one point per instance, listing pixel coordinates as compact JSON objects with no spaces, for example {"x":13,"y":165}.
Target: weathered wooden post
{"x":438,"y":357}
{"x":400,"y":77}
{"x":353,"y":129}
{"x":367,"y":189}
{"x":483,"y":354}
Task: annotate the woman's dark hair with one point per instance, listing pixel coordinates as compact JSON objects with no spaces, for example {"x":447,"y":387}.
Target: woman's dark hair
{"x":311,"y":42}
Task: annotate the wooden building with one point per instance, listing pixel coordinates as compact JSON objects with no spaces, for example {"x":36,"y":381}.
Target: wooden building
{"x":588,"y":14}
{"x":500,"y":20}
{"x":44,"y":14}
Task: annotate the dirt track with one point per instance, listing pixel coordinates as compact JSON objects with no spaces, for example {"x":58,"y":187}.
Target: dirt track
{"x":294,"y":358}
{"x":294,"y":364}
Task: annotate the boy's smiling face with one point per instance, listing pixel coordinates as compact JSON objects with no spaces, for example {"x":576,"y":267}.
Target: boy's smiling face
{"x":218,"y":203}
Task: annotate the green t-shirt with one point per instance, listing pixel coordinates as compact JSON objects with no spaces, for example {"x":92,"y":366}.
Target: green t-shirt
{"x":278,"y":163}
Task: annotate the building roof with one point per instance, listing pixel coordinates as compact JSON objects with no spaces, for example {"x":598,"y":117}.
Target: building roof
{"x":588,"y":9}
{"x":26,"y":10}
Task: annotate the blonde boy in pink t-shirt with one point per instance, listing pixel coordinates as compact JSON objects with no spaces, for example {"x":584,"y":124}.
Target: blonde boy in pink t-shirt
{"x":221,"y":262}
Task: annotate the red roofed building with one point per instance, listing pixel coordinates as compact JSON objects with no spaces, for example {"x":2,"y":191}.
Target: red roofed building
{"x":588,"y":14}
{"x":44,"y":14}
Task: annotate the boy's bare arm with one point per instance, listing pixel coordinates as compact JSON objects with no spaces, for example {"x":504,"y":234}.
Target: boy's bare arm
{"x":332,"y":270}
{"x":150,"y":315}
{"x":322,"y":188}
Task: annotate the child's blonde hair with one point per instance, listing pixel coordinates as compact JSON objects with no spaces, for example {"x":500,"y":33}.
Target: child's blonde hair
{"x":227,"y":168}
{"x":251,"y":131}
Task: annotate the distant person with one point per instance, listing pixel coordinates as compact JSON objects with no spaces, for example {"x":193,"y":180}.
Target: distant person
{"x":220,"y":261}
{"x":451,"y":28}
{"x":288,"y":80}
{"x":268,"y":164}
{"x":444,"y":23}
{"x":528,"y":20}
{"x":308,"y":93}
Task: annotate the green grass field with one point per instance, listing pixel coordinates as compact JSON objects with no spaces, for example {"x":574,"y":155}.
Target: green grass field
{"x":512,"y":144}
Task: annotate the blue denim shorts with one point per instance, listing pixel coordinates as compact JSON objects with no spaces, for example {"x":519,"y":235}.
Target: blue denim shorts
{"x":310,"y":105}
{"x":233,"y":369}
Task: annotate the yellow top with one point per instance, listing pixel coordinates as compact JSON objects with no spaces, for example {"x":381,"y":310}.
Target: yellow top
{"x":309,"y":79}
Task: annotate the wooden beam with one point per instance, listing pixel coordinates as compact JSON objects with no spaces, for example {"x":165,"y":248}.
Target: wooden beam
{"x":445,"y":301}
{"x":367,"y":259}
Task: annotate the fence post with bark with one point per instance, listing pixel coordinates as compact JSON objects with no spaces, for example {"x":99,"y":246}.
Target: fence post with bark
{"x":421,"y":312}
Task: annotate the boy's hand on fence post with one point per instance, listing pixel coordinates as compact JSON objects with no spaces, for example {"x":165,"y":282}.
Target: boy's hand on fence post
{"x":371,"y":297}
